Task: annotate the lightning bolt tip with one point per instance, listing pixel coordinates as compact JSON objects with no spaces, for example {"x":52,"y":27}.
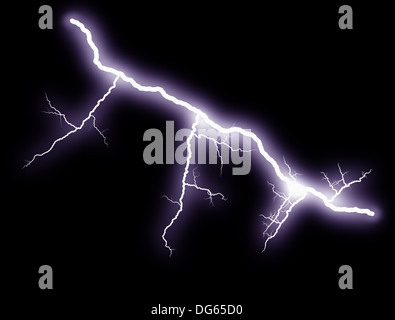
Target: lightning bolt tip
{"x":74,"y":21}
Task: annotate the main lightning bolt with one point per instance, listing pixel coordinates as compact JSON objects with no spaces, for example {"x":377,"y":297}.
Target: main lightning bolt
{"x":295,"y":194}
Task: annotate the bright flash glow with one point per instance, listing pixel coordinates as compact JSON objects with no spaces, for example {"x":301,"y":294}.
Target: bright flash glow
{"x":296,"y":192}
{"x":296,"y":189}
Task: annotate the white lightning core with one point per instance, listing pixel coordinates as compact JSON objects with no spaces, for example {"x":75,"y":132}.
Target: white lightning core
{"x":296,"y":192}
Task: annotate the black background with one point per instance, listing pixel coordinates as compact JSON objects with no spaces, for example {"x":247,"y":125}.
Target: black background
{"x":96,"y":214}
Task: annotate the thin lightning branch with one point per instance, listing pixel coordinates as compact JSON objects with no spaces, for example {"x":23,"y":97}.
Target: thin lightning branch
{"x":75,"y":128}
{"x":292,"y":175}
{"x":216,"y":143}
{"x":277,"y":220}
{"x":222,"y":142}
{"x":183,"y":184}
{"x":342,"y":182}
{"x":100,"y":132}
{"x":63,"y":116}
{"x":208,"y":191}
{"x":56,"y":112}
{"x":295,"y":191}
{"x":277,"y":194}
{"x":171,"y":200}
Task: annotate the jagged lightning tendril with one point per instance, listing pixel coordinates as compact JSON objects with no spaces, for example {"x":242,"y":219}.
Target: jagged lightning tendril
{"x":296,"y":192}
{"x":75,"y":128}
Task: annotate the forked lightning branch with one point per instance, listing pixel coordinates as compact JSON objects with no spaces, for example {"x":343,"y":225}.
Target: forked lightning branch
{"x":294,"y":194}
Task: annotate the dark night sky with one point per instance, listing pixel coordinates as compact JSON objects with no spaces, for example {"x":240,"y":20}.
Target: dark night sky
{"x":96,"y":214}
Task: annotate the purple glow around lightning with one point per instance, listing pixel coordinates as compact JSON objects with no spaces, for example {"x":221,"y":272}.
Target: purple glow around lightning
{"x":295,"y":193}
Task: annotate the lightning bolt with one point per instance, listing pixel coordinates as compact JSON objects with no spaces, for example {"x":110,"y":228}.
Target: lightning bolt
{"x":295,"y":193}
